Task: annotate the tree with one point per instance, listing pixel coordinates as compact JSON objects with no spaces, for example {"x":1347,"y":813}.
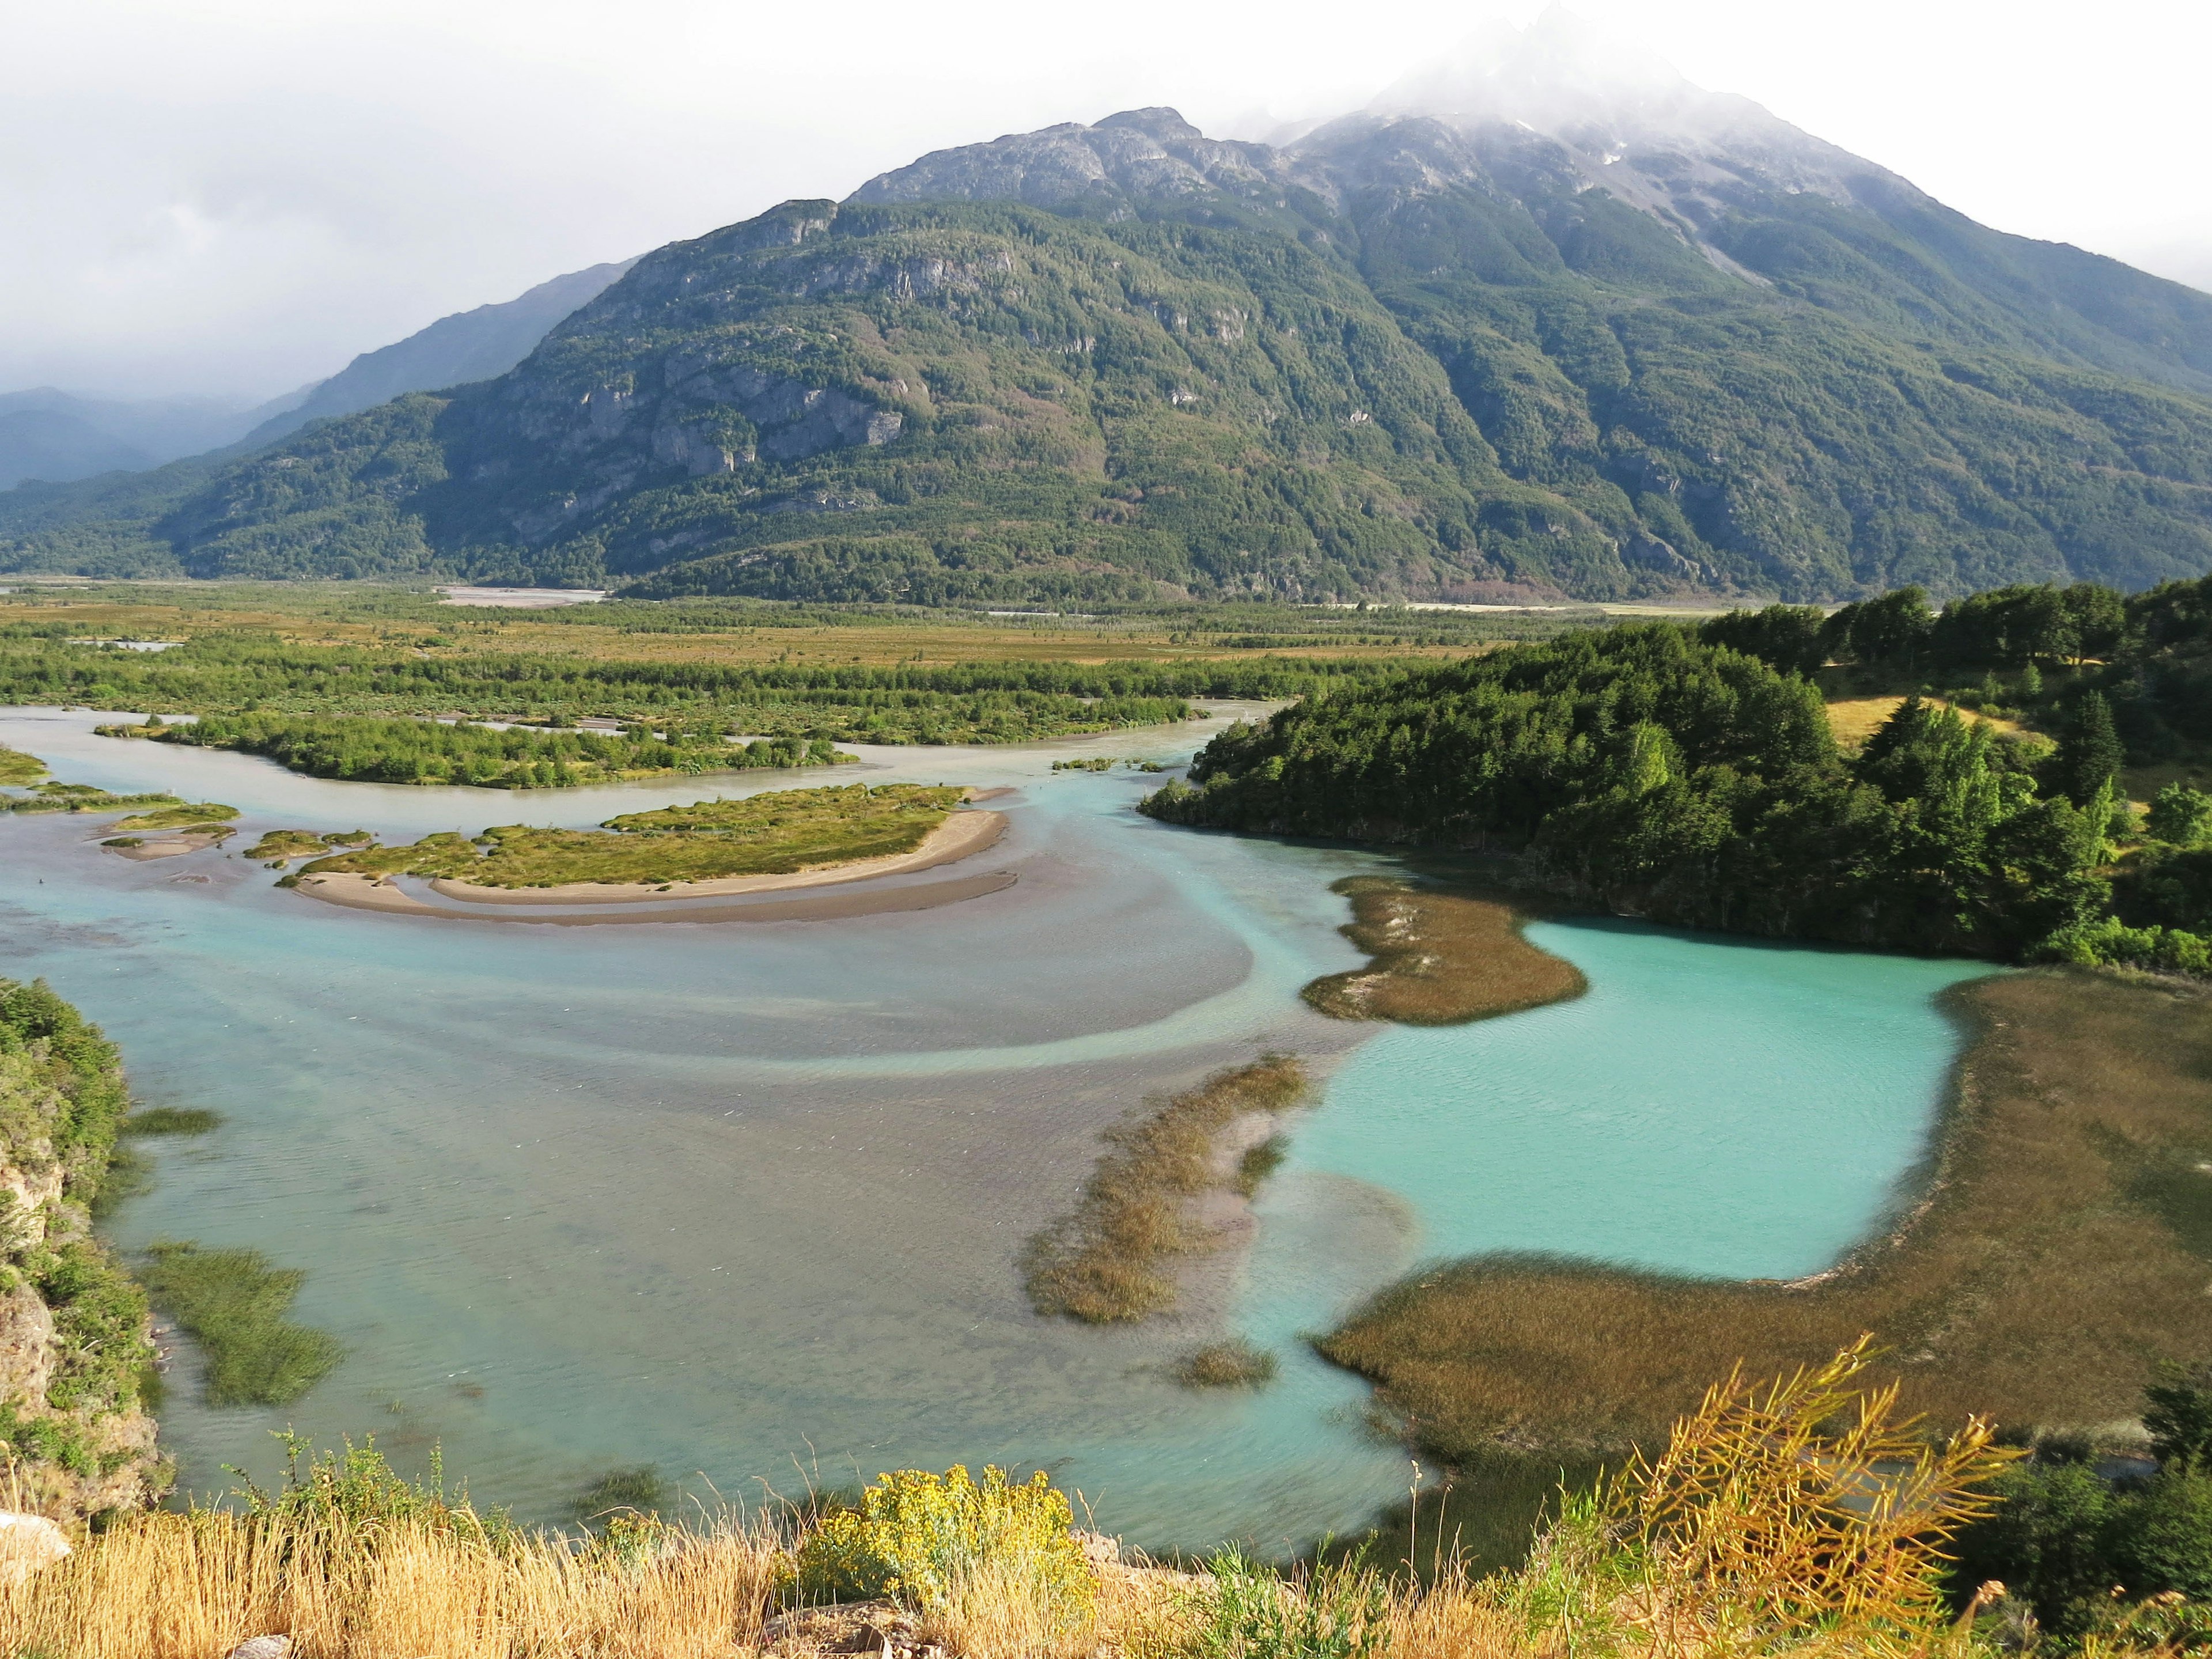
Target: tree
{"x":1788,"y":636}
{"x":1890,"y":632}
{"x":2090,"y":754}
{"x":2179,"y":814}
{"x":2178,"y":1414}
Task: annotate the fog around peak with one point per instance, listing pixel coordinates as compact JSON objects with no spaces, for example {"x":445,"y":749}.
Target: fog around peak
{"x":235,"y":197}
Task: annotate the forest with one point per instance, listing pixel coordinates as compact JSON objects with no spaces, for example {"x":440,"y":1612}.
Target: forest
{"x":986,"y":702}
{"x":1690,"y":773}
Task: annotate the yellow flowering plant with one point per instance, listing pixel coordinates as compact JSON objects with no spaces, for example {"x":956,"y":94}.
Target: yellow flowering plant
{"x":917,"y":1536}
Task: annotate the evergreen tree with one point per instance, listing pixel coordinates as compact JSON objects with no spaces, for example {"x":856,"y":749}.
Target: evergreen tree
{"x":2090,"y":753}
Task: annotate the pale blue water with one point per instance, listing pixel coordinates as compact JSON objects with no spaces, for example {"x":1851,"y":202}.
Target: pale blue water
{"x":747,"y":1201}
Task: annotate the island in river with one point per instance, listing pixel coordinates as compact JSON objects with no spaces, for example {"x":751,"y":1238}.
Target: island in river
{"x":786,"y":839}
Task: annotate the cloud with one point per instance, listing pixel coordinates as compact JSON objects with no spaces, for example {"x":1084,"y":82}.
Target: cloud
{"x":235,"y":196}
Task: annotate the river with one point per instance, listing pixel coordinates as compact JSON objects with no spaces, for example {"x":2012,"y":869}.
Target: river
{"x":745,"y":1203}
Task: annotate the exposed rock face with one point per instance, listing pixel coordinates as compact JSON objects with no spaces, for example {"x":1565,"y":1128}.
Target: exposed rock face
{"x":73,"y":1338}
{"x":28,"y":1544}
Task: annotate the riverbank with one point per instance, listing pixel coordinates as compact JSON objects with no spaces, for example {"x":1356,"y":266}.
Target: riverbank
{"x":2056,"y":1252}
{"x":356,"y":892}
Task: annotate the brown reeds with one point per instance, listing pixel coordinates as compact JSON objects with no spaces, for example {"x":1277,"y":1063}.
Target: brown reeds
{"x":1441,"y":957}
{"x":1109,"y":1260}
{"x":192,"y":1586}
{"x":2060,"y":1251}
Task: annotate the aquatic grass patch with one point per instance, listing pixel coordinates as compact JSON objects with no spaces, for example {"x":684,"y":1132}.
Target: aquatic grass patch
{"x":279,"y":846}
{"x":182,"y":815}
{"x":84,"y":798}
{"x":1234,"y":1362}
{"x":2037,"y":1279}
{"x":19,"y":770}
{"x":172,"y":1121}
{"x":233,"y":1302}
{"x":1109,"y":1259}
{"x":780,"y":832}
{"x":1440,"y":958}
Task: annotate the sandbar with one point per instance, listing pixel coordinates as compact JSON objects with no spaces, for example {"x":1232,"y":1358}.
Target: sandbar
{"x":357,"y":892}
{"x":960,"y":837}
{"x":168,"y":848}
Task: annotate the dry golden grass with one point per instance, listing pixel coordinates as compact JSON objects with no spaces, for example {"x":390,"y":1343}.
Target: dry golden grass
{"x":1110,"y":1259}
{"x":1441,"y":959}
{"x":2062,"y":1250}
{"x":1799,"y":1517}
{"x":1854,"y":719}
{"x":193,"y":1586}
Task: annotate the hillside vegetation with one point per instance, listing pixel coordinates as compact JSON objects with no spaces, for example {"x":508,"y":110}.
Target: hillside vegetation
{"x":76,"y":1358}
{"x":1693,"y":775}
{"x":1395,"y":360}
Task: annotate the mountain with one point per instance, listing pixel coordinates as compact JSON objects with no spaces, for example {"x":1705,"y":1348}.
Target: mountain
{"x":1543,"y":319}
{"x":56,"y":435}
{"x":469,"y":345}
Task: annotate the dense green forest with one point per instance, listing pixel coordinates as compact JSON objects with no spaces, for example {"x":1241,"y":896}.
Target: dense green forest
{"x":976,"y":702}
{"x":364,"y":749}
{"x":1692,"y":776}
{"x":1503,"y":380}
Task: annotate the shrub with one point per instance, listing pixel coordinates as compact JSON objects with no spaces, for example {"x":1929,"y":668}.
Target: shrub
{"x":917,"y":1537}
{"x":1249,"y":1612}
{"x":2179,"y":814}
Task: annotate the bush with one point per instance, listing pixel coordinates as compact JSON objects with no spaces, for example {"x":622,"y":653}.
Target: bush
{"x":1249,"y":1612}
{"x":2180,"y":815}
{"x":2111,"y":943}
{"x":917,"y":1537}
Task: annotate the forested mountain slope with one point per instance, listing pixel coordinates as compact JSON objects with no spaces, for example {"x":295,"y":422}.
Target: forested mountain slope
{"x":1607,"y":336}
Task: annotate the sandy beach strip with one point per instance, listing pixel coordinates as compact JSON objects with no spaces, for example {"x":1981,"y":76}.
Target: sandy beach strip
{"x":368,"y":893}
{"x":962,"y":835}
{"x":168,"y":848}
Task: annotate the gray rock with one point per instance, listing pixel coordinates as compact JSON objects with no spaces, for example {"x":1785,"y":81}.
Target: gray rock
{"x":263,"y":1647}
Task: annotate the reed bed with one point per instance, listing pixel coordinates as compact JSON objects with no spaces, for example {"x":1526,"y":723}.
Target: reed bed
{"x":1110,"y":1258}
{"x":2059,"y":1252}
{"x":1441,"y":957}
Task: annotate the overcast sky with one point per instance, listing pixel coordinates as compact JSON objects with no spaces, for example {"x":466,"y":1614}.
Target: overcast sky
{"x":233,"y":196}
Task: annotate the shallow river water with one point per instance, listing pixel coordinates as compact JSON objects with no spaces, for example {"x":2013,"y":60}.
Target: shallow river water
{"x":745,"y":1202}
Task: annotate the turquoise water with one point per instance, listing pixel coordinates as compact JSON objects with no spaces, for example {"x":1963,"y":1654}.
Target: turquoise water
{"x":746,"y":1202}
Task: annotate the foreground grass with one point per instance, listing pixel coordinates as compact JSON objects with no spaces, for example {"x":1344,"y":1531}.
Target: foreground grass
{"x":1801,"y":1516}
{"x":778,"y":833}
{"x":2062,"y":1250}
{"x":1112,"y":1258}
{"x":1440,"y":958}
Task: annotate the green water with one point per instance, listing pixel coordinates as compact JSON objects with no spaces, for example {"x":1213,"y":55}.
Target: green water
{"x":745,"y":1202}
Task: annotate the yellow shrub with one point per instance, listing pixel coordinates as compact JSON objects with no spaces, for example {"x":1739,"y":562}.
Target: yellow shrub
{"x":918,"y":1538}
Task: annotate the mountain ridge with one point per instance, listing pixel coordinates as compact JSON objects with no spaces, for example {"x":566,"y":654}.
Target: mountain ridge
{"x":1684,"y":350}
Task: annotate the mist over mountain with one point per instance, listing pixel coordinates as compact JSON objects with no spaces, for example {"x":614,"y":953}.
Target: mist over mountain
{"x":469,"y":345}
{"x":1543,"y":317}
